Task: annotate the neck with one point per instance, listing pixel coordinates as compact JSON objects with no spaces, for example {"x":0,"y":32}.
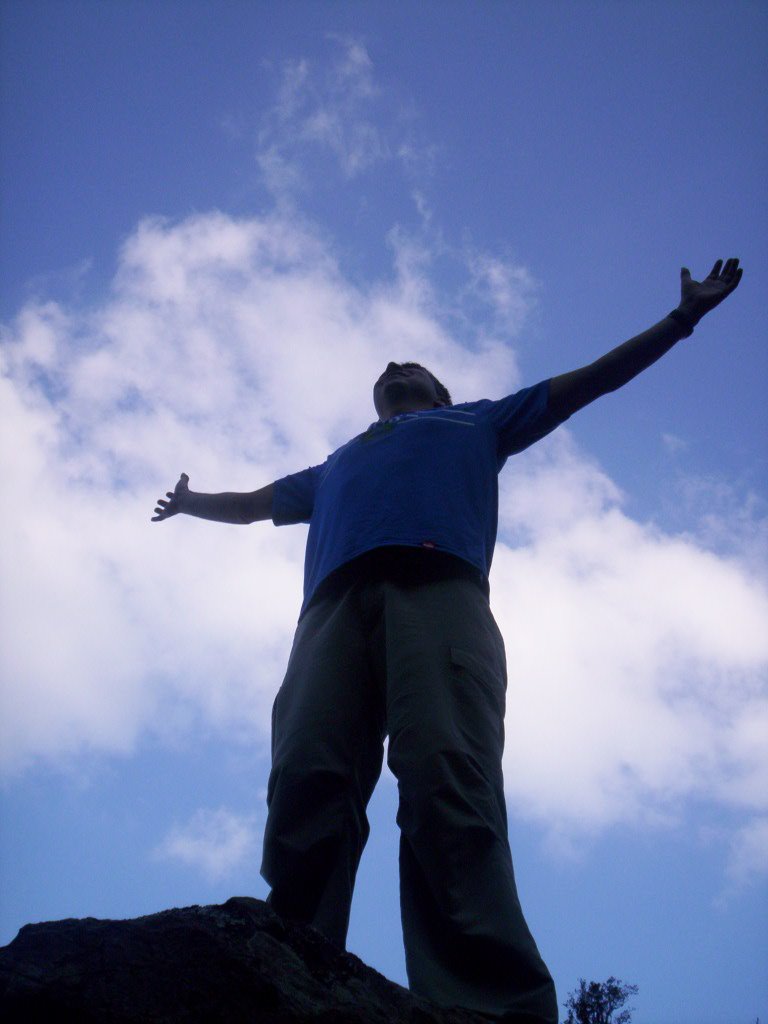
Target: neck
{"x":398,"y":410}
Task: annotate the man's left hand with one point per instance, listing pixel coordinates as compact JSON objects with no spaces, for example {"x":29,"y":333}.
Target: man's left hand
{"x":699,"y":297}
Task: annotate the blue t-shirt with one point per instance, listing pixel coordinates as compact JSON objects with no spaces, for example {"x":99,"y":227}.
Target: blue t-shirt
{"x":422,"y":479}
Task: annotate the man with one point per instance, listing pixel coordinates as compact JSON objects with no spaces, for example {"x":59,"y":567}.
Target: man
{"x":396,"y":638}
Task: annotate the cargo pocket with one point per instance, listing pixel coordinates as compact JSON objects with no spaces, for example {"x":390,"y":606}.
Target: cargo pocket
{"x":479,"y":675}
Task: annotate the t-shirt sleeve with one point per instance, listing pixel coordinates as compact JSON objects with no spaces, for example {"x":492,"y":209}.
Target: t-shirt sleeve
{"x":523,"y":418}
{"x":293,"y":499}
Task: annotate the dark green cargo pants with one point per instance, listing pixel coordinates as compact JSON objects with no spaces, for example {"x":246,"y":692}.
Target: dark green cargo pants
{"x":402,"y":643}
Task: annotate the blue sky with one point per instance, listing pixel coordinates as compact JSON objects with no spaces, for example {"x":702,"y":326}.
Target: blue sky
{"x":219,"y":221}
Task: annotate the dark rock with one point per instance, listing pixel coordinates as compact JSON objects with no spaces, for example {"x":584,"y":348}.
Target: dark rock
{"x":238,"y":963}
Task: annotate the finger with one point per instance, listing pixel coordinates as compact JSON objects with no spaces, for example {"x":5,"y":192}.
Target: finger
{"x":715,"y":271}
{"x":730,"y":268}
{"x":736,"y":278}
{"x":169,"y":494}
{"x":730,"y":282}
{"x":185,"y":478}
{"x":685,"y":276}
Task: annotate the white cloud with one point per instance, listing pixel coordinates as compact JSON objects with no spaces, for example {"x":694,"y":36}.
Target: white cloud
{"x":636,"y":659}
{"x":214,"y":842}
{"x":236,"y":350}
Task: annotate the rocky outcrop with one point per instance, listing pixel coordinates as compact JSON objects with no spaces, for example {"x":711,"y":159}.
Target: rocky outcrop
{"x":238,"y":963}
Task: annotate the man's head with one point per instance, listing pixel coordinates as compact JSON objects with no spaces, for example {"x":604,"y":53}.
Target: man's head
{"x":407,"y":387}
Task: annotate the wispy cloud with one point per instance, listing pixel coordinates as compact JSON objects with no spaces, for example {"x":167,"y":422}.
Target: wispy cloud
{"x":212,"y":841}
{"x":322,"y":107}
{"x":726,"y":515}
{"x":748,"y":853}
{"x":336,"y":111}
{"x":507,"y":288}
{"x":673,"y":444}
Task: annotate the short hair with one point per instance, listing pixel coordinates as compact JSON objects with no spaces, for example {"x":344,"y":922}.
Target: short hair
{"x":442,"y":391}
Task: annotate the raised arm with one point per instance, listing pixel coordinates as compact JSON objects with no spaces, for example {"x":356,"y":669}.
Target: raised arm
{"x":229,"y":507}
{"x":572,"y":391}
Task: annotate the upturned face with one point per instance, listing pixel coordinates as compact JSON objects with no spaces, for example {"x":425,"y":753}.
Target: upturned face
{"x":404,"y":388}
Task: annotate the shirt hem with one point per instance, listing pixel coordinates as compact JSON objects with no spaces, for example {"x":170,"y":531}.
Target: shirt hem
{"x":346,"y":570}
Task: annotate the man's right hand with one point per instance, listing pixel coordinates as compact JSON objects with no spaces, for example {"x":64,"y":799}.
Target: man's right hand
{"x":178,"y":500}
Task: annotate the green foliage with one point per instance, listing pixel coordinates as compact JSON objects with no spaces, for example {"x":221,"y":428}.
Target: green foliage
{"x":597,"y":1002}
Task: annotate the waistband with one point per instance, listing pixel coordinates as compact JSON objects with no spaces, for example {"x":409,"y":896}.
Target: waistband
{"x":402,"y":564}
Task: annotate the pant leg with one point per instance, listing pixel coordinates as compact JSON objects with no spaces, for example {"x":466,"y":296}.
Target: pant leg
{"x":466,"y":939}
{"x":327,"y":751}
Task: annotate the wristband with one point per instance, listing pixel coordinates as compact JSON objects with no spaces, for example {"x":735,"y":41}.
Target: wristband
{"x":684,"y":320}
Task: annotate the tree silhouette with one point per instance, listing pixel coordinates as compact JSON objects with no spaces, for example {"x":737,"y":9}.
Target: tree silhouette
{"x":597,"y":1002}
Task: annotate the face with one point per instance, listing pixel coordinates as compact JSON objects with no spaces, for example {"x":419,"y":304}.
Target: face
{"x":404,"y":389}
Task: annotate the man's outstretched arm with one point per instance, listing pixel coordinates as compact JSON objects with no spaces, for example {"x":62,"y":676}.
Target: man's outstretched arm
{"x":572,"y":391}
{"x":228,"y":507}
